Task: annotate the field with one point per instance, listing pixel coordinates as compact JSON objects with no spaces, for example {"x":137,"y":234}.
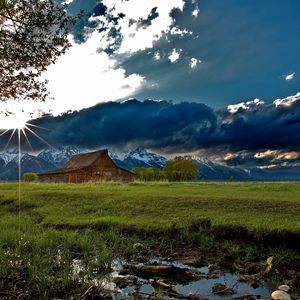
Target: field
{"x":105,"y":220}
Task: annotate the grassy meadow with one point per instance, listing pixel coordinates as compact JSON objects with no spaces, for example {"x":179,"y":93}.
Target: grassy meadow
{"x":261,"y":206}
{"x":51,"y":224}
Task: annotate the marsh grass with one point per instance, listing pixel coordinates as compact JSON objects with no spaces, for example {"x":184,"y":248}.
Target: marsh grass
{"x":99,"y":222}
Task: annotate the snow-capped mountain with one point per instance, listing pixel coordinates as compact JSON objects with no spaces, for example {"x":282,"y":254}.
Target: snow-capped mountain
{"x":29,"y":163}
{"x":59,"y":156}
{"x":9,"y":155}
{"x":209,"y":169}
{"x":141,"y":157}
{"x":50,"y":159}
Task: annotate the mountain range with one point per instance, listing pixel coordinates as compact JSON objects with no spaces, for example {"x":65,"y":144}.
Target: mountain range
{"x":50,"y":159}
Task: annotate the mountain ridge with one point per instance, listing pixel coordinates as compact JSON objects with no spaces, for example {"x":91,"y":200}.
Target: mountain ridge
{"x":50,"y":159}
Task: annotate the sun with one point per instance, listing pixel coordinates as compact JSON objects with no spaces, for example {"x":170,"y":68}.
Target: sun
{"x":13,"y":121}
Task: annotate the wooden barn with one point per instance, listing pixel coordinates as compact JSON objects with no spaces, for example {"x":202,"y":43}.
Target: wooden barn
{"x":92,"y":166}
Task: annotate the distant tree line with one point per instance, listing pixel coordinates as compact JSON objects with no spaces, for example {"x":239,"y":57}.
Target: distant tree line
{"x":181,"y":168}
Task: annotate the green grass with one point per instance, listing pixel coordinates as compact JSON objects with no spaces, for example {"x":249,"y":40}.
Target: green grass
{"x":258,"y":206}
{"x":51,"y":220}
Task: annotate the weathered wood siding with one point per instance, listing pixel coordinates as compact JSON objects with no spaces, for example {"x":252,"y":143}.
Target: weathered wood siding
{"x":53,"y":178}
{"x":102,"y":169}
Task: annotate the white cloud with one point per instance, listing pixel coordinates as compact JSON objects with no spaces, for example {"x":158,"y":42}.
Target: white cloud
{"x":233,"y":108}
{"x":288,"y":101}
{"x":278,"y":155}
{"x":181,"y":32}
{"x":79,"y":79}
{"x":267,"y":167}
{"x":157,"y":55}
{"x":268,"y":153}
{"x":68,"y":1}
{"x":290,"y":76}
{"x":85,"y":77}
{"x":174,"y":56}
{"x":194,"y":62}
{"x":229,"y":156}
{"x":195,"y":12}
{"x":140,"y":38}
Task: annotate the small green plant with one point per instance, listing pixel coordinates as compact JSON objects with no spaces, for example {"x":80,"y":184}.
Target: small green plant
{"x":29,"y":177}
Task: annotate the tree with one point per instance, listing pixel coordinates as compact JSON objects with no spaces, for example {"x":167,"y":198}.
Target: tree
{"x":29,"y":177}
{"x":181,"y":169}
{"x":149,"y":174}
{"x":33,"y":34}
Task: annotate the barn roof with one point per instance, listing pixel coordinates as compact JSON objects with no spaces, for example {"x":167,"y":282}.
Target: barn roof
{"x":82,"y":160}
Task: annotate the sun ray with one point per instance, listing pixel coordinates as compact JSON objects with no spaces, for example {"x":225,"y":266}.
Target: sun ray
{"x":36,"y":126}
{"x":4,"y":132}
{"x":30,"y":146}
{"x":19,"y":161}
{"x":12,"y":134}
{"x":28,"y":142}
{"x":40,"y":138}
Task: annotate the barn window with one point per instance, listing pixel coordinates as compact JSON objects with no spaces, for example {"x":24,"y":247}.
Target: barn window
{"x":107,"y":173}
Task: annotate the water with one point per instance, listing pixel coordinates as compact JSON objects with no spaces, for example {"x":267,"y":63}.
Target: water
{"x":201,"y":287}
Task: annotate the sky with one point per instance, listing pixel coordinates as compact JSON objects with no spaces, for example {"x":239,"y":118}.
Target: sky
{"x":232,"y":66}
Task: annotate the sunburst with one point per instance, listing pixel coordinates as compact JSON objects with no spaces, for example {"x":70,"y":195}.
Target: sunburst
{"x":17,"y":124}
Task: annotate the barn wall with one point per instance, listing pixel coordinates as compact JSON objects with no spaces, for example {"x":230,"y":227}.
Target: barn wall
{"x":53,"y":178}
{"x":103,"y":169}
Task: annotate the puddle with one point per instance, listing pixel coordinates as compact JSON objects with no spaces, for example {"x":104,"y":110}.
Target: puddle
{"x":124,"y":286}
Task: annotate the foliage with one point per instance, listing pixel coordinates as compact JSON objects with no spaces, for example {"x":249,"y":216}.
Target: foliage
{"x":33,"y":34}
{"x":149,"y":174}
{"x":181,"y":169}
{"x":29,"y":177}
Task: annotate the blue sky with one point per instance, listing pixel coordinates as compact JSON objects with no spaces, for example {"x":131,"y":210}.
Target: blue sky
{"x":246,"y":48}
{"x":205,"y":51}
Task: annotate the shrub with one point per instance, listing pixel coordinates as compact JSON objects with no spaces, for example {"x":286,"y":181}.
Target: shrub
{"x":149,"y":174}
{"x":29,"y":177}
{"x":181,"y":169}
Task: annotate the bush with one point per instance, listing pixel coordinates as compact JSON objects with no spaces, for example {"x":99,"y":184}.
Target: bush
{"x":181,"y":169}
{"x":149,"y":174}
{"x":29,"y":177}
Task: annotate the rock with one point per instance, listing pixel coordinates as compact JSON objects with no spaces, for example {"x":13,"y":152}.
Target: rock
{"x":284,"y":288}
{"x":280,"y":295}
{"x":221,"y":289}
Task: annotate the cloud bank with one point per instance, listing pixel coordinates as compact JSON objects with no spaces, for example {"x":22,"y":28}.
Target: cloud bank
{"x":265,"y":134}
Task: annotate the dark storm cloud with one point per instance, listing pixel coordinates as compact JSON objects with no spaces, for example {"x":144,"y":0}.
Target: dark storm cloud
{"x":180,"y":127}
{"x":149,"y":123}
{"x":265,"y":126}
